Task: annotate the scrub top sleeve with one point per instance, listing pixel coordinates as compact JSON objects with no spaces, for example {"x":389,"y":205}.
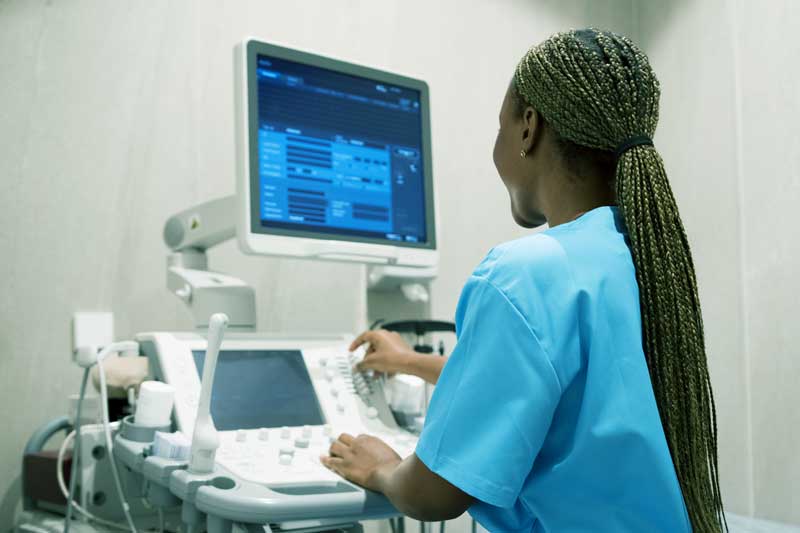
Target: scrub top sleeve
{"x":494,"y":400}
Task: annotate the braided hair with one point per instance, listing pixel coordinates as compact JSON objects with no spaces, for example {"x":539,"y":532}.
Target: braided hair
{"x":595,"y":90}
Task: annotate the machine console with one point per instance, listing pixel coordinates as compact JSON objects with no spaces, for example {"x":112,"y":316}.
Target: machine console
{"x":277,"y":402}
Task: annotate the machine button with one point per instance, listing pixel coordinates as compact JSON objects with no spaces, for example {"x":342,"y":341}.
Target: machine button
{"x":263,"y":434}
{"x":334,"y":392}
{"x":323,"y":361}
{"x":286,"y":450}
{"x":330,"y":374}
{"x":307,"y":432}
{"x":301,"y":442}
{"x":372,"y":412}
{"x":241,"y":435}
{"x":285,"y":460}
{"x":285,"y":432}
{"x":327,"y":430}
{"x":402,"y":441}
{"x":340,"y":407}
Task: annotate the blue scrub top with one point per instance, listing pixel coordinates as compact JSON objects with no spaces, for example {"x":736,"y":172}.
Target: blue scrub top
{"x":545,"y":412}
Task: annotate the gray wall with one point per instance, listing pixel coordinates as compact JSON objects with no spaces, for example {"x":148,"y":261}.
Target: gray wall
{"x":731,"y":140}
{"x":697,"y":138}
{"x":114,"y":115}
{"x":768,"y":100}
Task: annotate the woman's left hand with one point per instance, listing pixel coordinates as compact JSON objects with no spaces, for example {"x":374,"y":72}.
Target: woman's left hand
{"x":359,"y":459}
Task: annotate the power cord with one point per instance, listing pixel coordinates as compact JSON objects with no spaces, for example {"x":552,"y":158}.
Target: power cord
{"x":76,"y":454}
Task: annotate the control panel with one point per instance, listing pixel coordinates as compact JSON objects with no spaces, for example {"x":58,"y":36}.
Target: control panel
{"x":278,"y":403}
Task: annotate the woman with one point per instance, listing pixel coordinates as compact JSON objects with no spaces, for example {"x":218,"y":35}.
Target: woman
{"x":577,"y":397}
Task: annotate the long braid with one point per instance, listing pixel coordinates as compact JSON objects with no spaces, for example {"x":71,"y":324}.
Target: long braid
{"x":596,"y":89}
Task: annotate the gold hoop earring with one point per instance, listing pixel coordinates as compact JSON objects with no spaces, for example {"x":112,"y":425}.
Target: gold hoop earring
{"x":522,"y":154}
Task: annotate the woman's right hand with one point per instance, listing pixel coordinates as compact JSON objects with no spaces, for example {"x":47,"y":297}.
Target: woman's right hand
{"x":387,"y":352}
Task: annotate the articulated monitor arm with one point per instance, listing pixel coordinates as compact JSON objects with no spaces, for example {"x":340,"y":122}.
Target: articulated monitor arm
{"x":189,"y":234}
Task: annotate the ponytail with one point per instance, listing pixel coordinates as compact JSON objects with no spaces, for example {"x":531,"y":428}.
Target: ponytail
{"x":598,"y":93}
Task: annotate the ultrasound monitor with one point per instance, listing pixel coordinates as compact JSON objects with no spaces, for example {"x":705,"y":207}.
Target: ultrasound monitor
{"x":334,"y":159}
{"x":261,"y":389}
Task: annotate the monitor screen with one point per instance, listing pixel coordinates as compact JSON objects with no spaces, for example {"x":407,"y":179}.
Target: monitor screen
{"x":335,"y":155}
{"x":261,"y":389}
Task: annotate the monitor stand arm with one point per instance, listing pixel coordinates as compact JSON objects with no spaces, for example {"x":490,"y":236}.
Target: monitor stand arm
{"x":393,"y":292}
{"x":189,"y":234}
{"x":413,"y":283}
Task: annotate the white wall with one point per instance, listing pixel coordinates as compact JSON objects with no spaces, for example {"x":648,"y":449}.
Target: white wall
{"x":730,"y":137}
{"x":696,"y":136}
{"x":767,"y":52}
{"x":114,"y":115}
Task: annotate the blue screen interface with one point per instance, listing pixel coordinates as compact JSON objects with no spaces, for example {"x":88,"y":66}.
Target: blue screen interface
{"x":261,"y":389}
{"x":339,"y":154}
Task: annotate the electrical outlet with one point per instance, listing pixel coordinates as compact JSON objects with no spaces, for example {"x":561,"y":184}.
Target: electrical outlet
{"x":92,"y":329}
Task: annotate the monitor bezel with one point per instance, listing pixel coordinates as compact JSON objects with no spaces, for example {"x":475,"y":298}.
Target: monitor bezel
{"x":310,"y":244}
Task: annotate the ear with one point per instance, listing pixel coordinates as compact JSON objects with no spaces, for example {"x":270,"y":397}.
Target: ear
{"x":531,"y":129}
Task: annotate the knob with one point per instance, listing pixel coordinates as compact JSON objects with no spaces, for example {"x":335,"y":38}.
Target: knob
{"x":241,"y":435}
{"x":285,"y":432}
{"x":285,"y":460}
{"x":263,"y":434}
{"x":372,"y":412}
{"x":301,"y":442}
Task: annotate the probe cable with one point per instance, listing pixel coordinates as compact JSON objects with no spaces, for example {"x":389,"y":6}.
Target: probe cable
{"x":76,"y":456}
{"x":107,"y":431}
{"x":63,"y":486}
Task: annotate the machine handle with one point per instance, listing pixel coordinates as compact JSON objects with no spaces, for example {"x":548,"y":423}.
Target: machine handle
{"x":36,"y":444}
{"x":277,"y":507}
{"x":45,"y":433}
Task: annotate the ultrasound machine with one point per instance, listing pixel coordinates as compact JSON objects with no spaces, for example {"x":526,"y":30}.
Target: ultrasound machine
{"x":333,"y":163}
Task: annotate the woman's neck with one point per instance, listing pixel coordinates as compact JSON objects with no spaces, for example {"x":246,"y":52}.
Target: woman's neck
{"x":571,"y":197}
